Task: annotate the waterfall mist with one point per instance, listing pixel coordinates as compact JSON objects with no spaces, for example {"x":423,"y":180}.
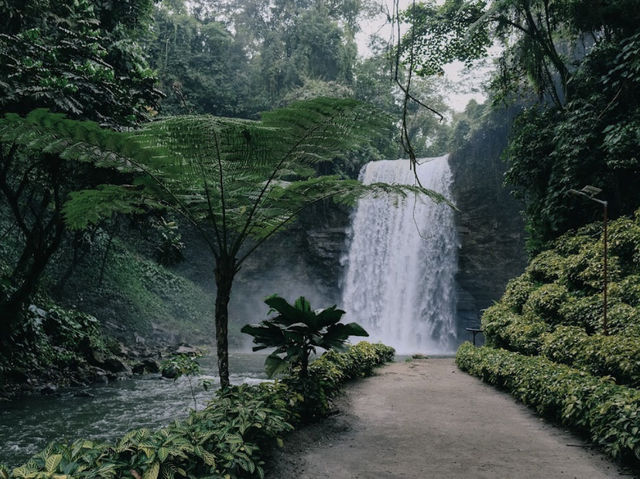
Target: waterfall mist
{"x":401,"y":262}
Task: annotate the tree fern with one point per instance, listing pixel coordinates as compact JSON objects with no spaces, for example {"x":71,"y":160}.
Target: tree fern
{"x":237,"y":181}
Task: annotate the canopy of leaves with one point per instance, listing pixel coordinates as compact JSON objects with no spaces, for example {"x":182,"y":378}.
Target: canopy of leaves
{"x":440,"y":34}
{"x":80,"y":58}
{"x":234,"y":179}
{"x":593,"y":140}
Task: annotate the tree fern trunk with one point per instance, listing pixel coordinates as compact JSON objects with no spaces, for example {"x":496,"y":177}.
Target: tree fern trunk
{"x":225,"y":271}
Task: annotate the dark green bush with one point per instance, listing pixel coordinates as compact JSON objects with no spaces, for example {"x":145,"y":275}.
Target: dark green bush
{"x":624,"y":242}
{"x":627,"y":290}
{"x":585,"y":270}
{"x":608,"y":413}
{"x":547,"y":267}
{"x":517,"y":292}
{"x":623,"y":319}
{"x":586,"y":312}
{"x":546,"y":301}
{"x":505,"y":329}
{"x":495,"y":320}
{"x":617,"y":356}
{"x":229,"y":439}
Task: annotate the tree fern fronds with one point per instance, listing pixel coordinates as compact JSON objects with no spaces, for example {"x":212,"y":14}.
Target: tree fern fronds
{"x":90,"y":207}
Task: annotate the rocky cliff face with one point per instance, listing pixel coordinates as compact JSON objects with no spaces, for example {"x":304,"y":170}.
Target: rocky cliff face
{"x":303,"y":260}
{"x":490,"y":227}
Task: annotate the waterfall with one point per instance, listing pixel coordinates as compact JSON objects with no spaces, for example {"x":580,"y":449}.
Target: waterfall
{"x":399,"y":281}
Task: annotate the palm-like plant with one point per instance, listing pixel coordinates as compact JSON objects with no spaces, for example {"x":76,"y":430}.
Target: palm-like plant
{"x":297,"y":331}
{"x":238,"y":182}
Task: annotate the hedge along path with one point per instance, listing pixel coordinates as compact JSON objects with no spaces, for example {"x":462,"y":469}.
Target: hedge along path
{"x":555,"y":308}
{"x":427,"y":419}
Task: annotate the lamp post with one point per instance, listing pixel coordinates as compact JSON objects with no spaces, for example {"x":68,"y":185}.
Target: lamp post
{"x":589,"y":192}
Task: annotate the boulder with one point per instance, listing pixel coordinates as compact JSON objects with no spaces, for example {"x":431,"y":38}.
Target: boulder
{"x":147,"y":365}
{"x":99,"y":376}
{"x":48,"y":389}
{"x":151,"y":365}
{"x":169,"y":372}
{"x":114,"y":364}
{"x":186,"y":349}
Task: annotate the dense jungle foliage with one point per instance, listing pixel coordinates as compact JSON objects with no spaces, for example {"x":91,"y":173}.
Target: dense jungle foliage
{"x":126,"y":65}
{"x":130,"y":128}
{"x":575,"y":63}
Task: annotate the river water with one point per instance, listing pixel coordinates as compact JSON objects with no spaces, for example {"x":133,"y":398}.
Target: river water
{"x":106,"y":412}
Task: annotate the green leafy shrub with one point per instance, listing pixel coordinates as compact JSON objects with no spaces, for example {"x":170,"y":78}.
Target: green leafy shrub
{"x":624,"y":242}
{"x":506,"y":329}
{"x":617,"y":356}
{"x":586,"y":312}
{"x":297,"y":331}
{"x":188,"y":365}
{"x":50,"y":340}
{"x":546,"y":301}
{"x":623,"y":319}
{"x":572,"y":242}
{"x":547,"y":267}
{"x":585,"y":269}
{"x":627,"y":290}
{"x":517,"y":292}
{"x":608,"y":413}
{"x":494,"y":321}
{"x":229,"y":439}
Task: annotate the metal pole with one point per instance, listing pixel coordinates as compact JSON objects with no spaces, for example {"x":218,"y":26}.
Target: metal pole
{"x":604,"y":324}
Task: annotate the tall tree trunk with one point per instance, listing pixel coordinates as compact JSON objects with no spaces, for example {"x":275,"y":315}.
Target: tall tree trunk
{"x":225,"y":272}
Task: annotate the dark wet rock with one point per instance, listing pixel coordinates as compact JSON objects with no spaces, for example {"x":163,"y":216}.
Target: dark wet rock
{"x":147,"y":365}
{"x":83,"y":394}
{"x":96,"y":357}
{"x":169,"y":372}
{"x":151,"y":365}
{"x":99,"y":376}
{"x":115,"y":365}
{"x":490,"y":227}
{"x":186,"y":349}
{"x":119,"y":349}
{"x":48,"y":389}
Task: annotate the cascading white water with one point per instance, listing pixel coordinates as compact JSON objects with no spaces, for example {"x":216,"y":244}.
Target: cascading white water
{"x":399,"y":282}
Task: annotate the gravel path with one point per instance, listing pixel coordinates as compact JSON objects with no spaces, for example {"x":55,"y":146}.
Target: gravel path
{"x":427,"y":419}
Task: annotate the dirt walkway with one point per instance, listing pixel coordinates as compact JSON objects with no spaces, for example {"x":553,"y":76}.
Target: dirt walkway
{"x":427,"y":419}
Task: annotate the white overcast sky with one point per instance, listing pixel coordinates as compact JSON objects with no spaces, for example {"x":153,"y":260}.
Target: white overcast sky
{"x":462,"y":85}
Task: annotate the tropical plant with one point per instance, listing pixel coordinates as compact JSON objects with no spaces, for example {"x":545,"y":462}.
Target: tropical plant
{"x":187,"y":365}
{"x":237,"y":182}
{"x":80,"y":58}
{"x":297,"y":331}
